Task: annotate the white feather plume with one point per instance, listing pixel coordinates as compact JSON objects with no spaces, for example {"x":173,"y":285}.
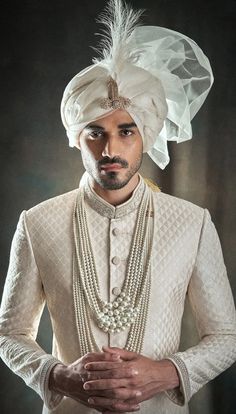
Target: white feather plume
{"x":119,"y":20}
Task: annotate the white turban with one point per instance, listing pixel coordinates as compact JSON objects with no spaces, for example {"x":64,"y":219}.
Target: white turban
{"x":163,"y":73}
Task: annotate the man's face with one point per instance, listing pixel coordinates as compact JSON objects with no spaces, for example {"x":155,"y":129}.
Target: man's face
{"x":111,"y":149}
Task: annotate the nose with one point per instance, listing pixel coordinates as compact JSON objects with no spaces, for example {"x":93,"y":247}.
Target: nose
{"x":111,"y":147}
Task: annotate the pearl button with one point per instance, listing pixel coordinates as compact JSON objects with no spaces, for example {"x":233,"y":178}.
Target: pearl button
{"x":115,"y":260}
{"x":115,"y":232}
{"x":116,"y":291}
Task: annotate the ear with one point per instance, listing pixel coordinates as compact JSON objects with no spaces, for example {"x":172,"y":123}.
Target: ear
{"x":77,"y":145}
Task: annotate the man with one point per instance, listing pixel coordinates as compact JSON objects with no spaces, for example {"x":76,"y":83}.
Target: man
{"x":115,"y":259}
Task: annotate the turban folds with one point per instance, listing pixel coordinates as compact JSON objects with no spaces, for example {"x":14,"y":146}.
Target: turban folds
{"x":163,"y":73}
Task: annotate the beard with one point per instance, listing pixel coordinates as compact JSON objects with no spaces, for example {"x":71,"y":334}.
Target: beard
{"x":111,"y":180}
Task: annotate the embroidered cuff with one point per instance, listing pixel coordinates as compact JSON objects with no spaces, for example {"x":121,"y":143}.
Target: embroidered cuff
{"x":51,"y":398}
{"x":182,"y":394}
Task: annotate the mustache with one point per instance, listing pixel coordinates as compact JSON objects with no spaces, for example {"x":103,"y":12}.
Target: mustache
{"x":114,"y":160}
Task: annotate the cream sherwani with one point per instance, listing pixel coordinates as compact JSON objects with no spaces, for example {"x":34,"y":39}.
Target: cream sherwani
{"x":186,"y":259}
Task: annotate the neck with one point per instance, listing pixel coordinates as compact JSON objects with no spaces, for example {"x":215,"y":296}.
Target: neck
{"x":116,"y":197}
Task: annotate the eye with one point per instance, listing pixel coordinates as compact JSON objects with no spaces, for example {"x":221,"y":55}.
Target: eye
{"x":95,"y":134}
{"x":126,"y":132}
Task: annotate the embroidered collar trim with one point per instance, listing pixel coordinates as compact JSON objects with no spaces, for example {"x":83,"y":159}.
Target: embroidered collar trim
{"x":110,"y":211}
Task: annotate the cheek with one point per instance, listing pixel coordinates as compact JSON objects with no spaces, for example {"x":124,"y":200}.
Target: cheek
{"x":135,"y":149}
{"x":91,"y":149}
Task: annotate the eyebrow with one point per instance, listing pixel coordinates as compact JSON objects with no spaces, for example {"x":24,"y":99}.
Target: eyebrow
{"x":120,"y":126}
{"x":129,"y":125}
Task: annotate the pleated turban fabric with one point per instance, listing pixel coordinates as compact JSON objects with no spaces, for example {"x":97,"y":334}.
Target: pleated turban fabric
{"x":164,"y":74}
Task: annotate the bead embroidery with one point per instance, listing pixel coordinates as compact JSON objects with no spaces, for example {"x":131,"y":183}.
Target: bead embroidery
{"x":129,"y":309}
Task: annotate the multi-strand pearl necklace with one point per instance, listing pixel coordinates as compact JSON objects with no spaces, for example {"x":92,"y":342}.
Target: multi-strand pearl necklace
{"x":130,"y":308}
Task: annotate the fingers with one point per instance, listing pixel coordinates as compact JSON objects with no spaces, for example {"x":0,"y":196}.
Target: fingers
{"x":124,"y":354}
{"x":104,"y":365}
{"x":111,"y":412}
{"x":77,"y":367}
{"x":133,"y":395}
{"x":100,"y":356}
{"x":107,"y":365}
{"x":111,"y":366}
{"x":111,"y":374}
{"x":113,"y":404}
{"x":106,"y":384}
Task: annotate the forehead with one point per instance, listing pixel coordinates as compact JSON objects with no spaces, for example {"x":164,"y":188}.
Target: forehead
{"x":114,"y":118}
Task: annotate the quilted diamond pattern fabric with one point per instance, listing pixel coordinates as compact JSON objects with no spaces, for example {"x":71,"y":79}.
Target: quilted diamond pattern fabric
{"x":186,"y":260}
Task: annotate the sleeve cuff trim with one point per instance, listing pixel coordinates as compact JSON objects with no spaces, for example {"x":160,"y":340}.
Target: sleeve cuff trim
{"x":51,"y":398}
{"x":184,"y":388}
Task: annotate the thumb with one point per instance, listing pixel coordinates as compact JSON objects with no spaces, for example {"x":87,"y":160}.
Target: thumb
{"x":124,"y":354}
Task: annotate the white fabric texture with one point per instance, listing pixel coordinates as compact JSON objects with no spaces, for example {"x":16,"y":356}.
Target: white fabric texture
{"x":167,"y":79}
{"x":186,"y":259}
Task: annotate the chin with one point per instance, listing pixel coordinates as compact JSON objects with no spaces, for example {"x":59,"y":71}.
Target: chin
{"x":112,"y":182}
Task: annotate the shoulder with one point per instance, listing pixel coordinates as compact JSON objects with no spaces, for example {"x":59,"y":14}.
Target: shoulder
{"x":175,"y":207}
{"x":169,"y":202}
{"x":176,"y":201}
{"x":53,"y":208}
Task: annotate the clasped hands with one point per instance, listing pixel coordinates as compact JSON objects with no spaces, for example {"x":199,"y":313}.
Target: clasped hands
{"x":115,"y":380}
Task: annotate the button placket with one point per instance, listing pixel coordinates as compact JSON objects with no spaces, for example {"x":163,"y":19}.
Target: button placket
{"x":116,"y":232}
{"x":115,"y":260}
{"x":119,"y":245}
{"x":116,"y":291}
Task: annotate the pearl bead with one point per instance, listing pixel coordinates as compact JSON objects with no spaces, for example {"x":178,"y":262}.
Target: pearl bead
{"x":105,"y":329}
{"x":109,"y":320}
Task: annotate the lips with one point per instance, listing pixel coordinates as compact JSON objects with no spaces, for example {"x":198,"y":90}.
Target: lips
{"x":111,"y":167}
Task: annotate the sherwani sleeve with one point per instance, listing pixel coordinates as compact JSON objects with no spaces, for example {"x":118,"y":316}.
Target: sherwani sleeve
{"x":213,"y":308}
{"x":21,"y":309}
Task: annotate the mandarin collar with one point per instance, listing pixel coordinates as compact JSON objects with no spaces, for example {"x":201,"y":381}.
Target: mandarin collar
{"x":108,"y":210}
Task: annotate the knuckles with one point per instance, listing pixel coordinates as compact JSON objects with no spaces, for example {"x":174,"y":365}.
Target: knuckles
{"x":132,"y":381}
{"x":115,"y":393}
{"x":113,"y":374}
{"x":89,"y":376}
{"x":87,"y":357}
{"x":131,"y":372}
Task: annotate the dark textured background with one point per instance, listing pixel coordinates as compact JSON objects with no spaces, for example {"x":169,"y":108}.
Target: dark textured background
{"x":44,"y":43}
